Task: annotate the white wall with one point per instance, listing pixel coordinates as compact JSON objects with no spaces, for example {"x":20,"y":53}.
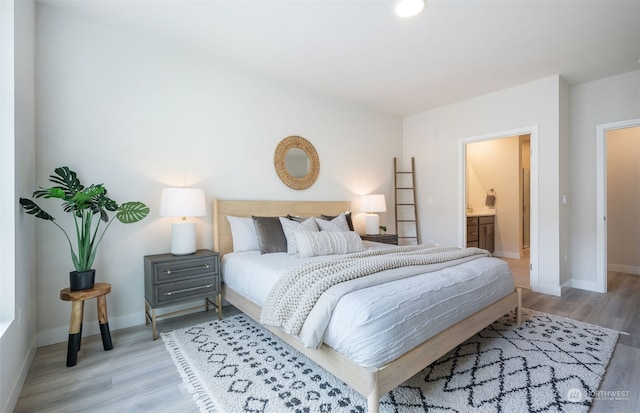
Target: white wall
{"x":18,"y":343}
{"x":432,"y":137}
{"x":138,"y":114}
{"x":623,"y":200}
{"x":612,"y":99}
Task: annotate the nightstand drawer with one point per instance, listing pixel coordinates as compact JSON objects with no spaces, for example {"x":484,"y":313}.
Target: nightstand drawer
{"x":181,"y":270}
{"x":186,"y":290}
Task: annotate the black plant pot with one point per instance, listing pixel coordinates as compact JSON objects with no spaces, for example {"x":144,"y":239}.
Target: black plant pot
{"x":82,"y":280}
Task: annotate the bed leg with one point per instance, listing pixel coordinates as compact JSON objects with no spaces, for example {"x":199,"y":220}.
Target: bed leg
{"x":519,"y":308}
{"x":373,"y":399}
{"x":373,"y":402}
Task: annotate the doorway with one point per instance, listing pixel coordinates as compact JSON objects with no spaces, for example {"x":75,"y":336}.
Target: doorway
{"x":603,"y":135}
{"x":518,"y":253}
{"x":499,"y":169}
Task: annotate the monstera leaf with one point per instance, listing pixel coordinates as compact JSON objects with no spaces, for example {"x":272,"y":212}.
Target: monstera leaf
{"x":131,"y":212}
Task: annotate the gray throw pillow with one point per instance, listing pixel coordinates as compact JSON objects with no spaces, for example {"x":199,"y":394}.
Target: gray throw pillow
{"x":270,"y":235}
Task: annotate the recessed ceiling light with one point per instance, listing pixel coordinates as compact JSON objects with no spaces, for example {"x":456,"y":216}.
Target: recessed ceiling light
{"x":409,"y":8}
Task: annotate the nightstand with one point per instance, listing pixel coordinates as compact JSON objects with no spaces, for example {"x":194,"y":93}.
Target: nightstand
{"x":383,"y":238}
{"x":174,"y":279}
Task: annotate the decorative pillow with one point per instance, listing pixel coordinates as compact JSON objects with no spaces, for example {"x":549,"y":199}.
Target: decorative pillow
{"x":311,"y":244}
{"x":347,"y":215}
{"x":270,"y":235}
{"x":290,"y":227}
{"x":338,"y":223}
{"x":243,"y":234}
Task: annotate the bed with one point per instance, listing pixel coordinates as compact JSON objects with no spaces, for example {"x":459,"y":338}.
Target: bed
{"x":374,"y":378}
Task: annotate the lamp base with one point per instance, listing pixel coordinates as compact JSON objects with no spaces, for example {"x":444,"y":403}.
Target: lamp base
{"x":183,"y":238}
{"x":372,"y":224}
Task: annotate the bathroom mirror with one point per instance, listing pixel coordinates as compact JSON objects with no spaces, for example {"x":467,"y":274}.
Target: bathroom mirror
{"x":296,"y":162}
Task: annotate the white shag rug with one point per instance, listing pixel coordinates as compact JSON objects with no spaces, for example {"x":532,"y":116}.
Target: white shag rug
{"x":548,"y":363}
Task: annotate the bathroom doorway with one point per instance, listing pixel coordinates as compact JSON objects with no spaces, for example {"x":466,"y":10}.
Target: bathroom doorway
{"x":502,"y":165}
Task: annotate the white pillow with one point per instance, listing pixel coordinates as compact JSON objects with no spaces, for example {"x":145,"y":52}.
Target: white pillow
{"x":311,"y":244}
{"x":339,"y":223}
{"x":243,"y":233}
{"x":290,"y":227}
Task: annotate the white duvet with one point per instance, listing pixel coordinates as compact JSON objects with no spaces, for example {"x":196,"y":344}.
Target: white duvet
{"x":377,"y":324}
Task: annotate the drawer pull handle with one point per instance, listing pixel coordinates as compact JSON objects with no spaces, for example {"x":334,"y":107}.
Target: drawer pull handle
{"x":170,"y":271}
{"x":184,"y":290}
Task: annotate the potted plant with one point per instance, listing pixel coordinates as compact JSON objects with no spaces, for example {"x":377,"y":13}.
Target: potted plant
{"x":84,"y":204}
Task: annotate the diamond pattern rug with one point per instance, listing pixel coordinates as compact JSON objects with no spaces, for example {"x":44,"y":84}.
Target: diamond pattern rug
{"x":547,"y":364}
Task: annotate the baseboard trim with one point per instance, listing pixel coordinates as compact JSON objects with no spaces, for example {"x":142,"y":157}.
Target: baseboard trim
{"x":548,"y":289}
{"x":507,"y":254}
{"x":584,"y":285}
{"x":89,"y":328}
{"x":627,"y":269}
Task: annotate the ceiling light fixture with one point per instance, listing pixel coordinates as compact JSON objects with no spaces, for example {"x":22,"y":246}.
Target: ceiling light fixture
{"x":409,"y":8}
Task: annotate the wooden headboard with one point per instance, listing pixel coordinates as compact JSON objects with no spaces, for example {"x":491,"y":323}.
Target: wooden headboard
{"x":222,"y":241}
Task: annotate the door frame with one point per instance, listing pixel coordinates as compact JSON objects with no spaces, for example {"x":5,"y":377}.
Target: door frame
{"x":462,"y":184}
{"x":601,"y":197}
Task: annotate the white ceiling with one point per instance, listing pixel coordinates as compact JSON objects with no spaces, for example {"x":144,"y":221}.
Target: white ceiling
{"x":359,"y":50}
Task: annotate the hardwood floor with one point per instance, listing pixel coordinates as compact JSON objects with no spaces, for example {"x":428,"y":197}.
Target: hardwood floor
{"x":520,"y":270}
{"x":139,"y":375}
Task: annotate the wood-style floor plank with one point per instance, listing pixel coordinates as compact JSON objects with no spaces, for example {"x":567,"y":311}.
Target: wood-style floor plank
{"x":138,"y":375}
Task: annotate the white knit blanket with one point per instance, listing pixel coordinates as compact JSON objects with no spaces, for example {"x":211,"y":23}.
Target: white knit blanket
{"x":292,"y":298}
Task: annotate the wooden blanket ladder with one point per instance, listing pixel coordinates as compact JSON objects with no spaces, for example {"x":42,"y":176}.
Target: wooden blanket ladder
{"x":406,"y":207}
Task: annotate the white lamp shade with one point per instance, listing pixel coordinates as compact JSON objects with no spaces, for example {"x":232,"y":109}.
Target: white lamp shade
{"x":373,"y":203}
{"x":182,"y":202}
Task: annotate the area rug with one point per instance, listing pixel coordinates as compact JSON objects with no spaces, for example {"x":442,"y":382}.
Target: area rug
{"x":547,"y":364}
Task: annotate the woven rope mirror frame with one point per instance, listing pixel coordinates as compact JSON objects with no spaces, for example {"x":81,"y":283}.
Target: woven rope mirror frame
{"x":280,"y":157}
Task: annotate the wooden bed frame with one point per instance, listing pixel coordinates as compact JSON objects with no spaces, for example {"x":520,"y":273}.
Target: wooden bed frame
{"x":371,"y":382}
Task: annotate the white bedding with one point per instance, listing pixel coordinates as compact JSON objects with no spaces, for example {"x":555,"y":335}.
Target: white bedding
{"x":377,"y":324}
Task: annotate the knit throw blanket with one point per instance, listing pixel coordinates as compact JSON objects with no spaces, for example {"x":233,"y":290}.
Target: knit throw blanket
{"x":290,"y":301}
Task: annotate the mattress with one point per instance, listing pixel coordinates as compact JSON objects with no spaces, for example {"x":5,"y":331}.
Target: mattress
{"x":375,"y":325}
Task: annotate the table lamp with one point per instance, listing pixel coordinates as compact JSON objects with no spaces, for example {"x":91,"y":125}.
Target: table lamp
{"x":182,"y":202}
{"x":372,"y":204}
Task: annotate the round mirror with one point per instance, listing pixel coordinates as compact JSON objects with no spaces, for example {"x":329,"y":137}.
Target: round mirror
{"x":296,"y":162}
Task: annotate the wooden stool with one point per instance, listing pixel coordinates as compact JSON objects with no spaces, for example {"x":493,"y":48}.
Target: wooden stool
{"x":77,"y":298}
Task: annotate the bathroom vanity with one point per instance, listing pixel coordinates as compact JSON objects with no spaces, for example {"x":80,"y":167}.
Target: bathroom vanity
{"x":480,"y":231}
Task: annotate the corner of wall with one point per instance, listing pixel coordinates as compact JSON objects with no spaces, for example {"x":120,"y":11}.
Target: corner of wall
{"x":23,"y":371}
